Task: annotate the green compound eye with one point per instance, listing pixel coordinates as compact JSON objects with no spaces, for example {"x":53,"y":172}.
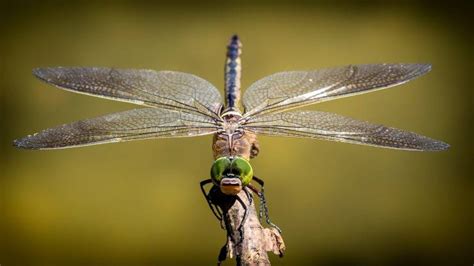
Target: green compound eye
{"x":243,"y":169}
{"x":218,"y":168}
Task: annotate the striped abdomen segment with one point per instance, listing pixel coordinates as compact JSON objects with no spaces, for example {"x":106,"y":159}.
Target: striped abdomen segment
{"x":232,"y":74}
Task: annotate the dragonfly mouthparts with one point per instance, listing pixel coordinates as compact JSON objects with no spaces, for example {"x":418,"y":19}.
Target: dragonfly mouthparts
{"x":231,"y":181}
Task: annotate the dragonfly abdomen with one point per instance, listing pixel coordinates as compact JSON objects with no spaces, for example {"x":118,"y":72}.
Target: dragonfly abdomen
{"x":232,"y":74}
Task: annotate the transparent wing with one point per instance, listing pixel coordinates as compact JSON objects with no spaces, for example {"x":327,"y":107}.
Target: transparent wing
{"x":167,"y":89}
{"x":124,"y":126}
{"x":327,"y":126}
{"x":287,"y":90}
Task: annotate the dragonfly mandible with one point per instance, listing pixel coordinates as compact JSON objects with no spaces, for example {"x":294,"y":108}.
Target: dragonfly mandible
{"x":184,"y":105}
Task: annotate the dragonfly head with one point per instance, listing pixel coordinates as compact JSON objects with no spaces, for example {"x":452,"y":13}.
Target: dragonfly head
{"x":231,"y":174}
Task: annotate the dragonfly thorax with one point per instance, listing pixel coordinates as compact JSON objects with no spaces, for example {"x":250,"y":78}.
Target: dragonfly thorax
{"x":230,"y":122}
{"x":232,"y":140}
{"x":231,"y":127}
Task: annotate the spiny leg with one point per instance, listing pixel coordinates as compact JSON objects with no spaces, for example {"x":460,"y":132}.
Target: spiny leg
{"x":249,"y":196}
{"x":261,"y":194}
{"x":219,"y":215}
{"x":224,"y":250}
{"x":260,"y":206}
{"x":246,"y":212}
{"x":222,"y":255}
{"x":215,"y":210}
{"x":263,"y":203}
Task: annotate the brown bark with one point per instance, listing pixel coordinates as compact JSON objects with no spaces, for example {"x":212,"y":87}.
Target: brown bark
{"x":257,"y":240}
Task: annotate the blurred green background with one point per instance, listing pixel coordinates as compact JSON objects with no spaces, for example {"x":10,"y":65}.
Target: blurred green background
{"x":139,"y":203}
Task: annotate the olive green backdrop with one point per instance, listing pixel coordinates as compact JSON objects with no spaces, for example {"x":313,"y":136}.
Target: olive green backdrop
{"x":139,"y":203}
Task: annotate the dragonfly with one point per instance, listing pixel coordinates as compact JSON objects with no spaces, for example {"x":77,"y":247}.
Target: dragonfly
{"x":183,"y":105}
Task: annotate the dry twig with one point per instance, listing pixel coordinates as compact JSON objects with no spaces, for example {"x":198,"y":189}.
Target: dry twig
{"x":250,"y":244}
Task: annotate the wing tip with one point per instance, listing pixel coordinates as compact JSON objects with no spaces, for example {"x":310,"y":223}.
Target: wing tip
{"x":431,"y":145}
{"x":24,"y":143}
{"x":416,"y":69}
{"x":41,"y":72}
{"x":49,"y":73}
{"x":423,"y":68}
{"x":30,"y":143}
{"x":439,"y":146}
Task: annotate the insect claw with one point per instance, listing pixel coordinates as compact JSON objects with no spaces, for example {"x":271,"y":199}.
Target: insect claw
{"x":222,"y":255}
{"x":222,"y":224}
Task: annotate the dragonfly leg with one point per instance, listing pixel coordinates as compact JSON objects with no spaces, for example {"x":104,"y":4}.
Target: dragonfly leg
{"x":263,"y":202}
{"x":215,"y":209}
{"x":222,"y":255}
{"x":249,"y":196}
{"x":244,"y":218}
{"x":260,"y":207}
{"x":223,"y":252}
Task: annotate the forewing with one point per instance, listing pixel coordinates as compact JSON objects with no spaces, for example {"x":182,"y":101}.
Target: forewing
{"x":327,"y":126}
{"x":287,"y":90}
{"x":167,"y":89}
{"x":124,"y":126}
